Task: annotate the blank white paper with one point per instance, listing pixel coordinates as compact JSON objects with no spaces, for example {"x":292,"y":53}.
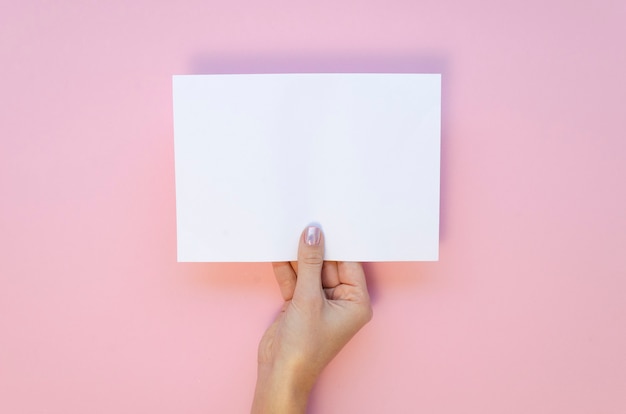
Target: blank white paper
{"x":259,"y":157}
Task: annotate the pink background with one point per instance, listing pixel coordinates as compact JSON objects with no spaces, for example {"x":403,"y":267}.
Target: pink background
{"x":524,"y":313}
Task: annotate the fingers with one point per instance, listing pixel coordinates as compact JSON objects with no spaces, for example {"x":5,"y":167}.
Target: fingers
{"x":310,"y":262}
{"x":352,"y":273}
{"x":286,"y":278}
{"x":330,"y":275}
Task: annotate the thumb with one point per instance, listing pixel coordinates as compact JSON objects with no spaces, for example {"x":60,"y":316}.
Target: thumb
{"x":310,"y":261}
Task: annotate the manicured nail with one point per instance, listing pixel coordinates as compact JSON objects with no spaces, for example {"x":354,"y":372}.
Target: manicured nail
{"x":312,"y":236}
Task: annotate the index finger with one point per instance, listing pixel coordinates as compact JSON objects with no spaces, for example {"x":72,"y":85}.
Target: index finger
{"x":352,"y":273}
{"x":286,"y":278}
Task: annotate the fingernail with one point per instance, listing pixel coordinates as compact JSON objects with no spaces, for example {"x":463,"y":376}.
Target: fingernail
{"x":312,"y":236}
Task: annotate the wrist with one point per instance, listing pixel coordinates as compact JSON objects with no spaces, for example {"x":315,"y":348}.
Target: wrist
{"x":281,"y":388}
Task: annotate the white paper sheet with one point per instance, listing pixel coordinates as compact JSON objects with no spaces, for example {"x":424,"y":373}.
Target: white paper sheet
{"x":259,"y":157}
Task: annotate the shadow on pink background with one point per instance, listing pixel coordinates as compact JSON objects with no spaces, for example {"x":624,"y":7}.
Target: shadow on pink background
{"x":524,"y":312}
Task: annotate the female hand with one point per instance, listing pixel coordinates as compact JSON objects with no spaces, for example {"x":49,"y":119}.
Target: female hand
{"x":326,"y":303}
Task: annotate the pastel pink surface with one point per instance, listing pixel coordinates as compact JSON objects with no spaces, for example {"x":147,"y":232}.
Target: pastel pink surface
{"x":524,"y":312}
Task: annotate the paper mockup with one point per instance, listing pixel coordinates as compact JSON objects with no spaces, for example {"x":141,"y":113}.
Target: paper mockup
{"x":260,"y":157}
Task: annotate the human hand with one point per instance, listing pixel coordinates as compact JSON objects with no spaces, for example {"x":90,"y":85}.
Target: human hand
{"x":326,"y":303}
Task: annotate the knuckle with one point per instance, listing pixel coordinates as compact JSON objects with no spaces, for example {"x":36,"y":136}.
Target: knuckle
{"x":312,"y":259}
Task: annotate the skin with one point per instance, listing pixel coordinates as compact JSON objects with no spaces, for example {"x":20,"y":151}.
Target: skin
{"x":325,"y":305}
